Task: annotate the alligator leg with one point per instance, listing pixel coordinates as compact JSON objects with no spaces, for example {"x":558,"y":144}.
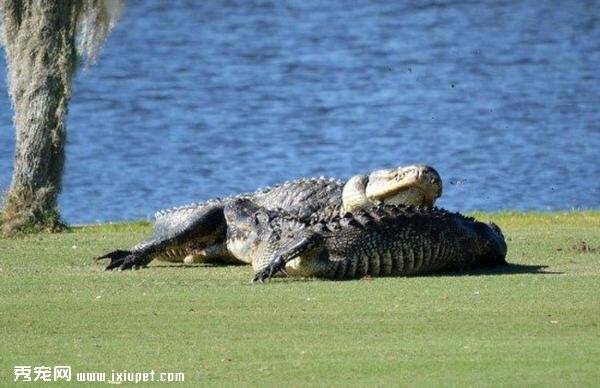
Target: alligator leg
{"x":301,"y":246}
{"x":175,"y":236}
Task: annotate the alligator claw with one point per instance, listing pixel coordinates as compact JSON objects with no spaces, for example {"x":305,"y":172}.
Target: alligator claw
{"x":117,"y":258}
{"x":122,"y":260}
{"x":277,"y":265}
{"x":122,"y":264}
{"x":129,"y":262}
{"x":114,"y":264}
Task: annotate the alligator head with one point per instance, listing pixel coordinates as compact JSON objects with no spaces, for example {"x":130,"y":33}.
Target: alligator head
{"x":491,"y":246}
{"x":485,"y":242}
{"x":412,"y":185}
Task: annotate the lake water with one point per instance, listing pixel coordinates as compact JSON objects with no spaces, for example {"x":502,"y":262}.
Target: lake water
{"x":192,"y":100}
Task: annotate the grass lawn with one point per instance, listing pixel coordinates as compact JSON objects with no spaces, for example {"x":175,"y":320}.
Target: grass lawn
{"x":535,"y":323}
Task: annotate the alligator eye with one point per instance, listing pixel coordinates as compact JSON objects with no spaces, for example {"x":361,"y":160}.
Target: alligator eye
{"x":261,"y":217}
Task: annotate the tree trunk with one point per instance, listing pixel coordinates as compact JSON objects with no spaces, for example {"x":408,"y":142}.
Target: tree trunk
{"x":41,"y":57}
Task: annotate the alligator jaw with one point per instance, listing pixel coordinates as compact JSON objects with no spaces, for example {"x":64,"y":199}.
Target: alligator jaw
{"x":412,"y":185}
{"x":353,"y":194}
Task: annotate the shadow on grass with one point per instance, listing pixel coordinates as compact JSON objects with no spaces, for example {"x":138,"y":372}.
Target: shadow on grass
{"x":510,"y":269}
{"x":198,"y":265}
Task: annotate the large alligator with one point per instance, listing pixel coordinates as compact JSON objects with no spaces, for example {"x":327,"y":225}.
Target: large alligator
{"x":198,"y":232}
{"x":386,"y":240}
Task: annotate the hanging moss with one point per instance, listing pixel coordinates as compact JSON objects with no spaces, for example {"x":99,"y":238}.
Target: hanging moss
{"x":44,"y":41}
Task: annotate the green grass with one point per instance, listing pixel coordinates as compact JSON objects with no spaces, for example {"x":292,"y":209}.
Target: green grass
{"x":537,"y":323}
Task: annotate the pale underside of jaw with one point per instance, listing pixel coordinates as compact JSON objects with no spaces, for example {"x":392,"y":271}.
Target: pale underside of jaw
{"x":409,"y":188}
{"x":412,"y":185}
{"x":413,"y":195}
{"x":409,"y":196}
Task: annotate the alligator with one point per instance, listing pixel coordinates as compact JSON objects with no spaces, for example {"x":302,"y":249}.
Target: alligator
{"x":198,"y":232}
{"x":384,"y":240}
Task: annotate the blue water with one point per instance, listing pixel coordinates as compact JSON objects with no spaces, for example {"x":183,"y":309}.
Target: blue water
{"x":192,"y":100}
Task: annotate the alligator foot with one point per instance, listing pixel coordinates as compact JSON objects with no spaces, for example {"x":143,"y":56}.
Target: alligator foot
{"x":289,"y":251}
{"x":122,"y":260}
{"x":275,"y":266}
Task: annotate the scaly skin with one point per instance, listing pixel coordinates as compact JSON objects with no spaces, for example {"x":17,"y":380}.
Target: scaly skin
{"x":387,"y":240}
{"x":198,"y":232}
